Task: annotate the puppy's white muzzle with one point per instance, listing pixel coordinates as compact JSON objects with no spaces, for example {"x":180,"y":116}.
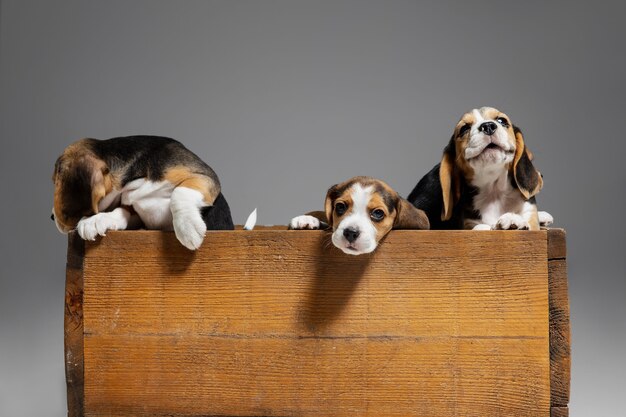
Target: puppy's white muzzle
{"x":494,"y":148}
{"x":355,"y":236}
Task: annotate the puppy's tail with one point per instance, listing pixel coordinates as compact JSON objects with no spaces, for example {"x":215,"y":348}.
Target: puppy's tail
{"x":251,"y":222}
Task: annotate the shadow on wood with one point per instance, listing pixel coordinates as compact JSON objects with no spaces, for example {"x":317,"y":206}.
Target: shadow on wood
{"x":336,"y":278}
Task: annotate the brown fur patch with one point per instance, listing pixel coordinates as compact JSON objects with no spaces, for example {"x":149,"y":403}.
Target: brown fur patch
{"x":377,"y":202}
{"x":181,"y":176}
{"x":81,"y":180}
{"x":533,"y":222}
{"x":410,"y":217}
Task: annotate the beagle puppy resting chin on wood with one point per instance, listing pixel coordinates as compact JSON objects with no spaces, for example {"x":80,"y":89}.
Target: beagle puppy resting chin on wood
{"x":361,"y":211}
{"x":135,"y":181}
{"x":486,"y":179}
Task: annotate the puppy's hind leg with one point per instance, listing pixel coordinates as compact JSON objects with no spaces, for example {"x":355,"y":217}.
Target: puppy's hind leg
{"x":187,"y":200}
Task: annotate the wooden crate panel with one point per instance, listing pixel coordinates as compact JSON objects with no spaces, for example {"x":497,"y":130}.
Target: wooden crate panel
{"x":128,"y":375}
{"x":281,"y":323}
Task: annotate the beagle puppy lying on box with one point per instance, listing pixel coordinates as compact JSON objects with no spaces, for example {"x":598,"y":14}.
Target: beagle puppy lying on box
{"x":486,"y":179}
{"x":128,"y":182}
{"x":361,"y":211}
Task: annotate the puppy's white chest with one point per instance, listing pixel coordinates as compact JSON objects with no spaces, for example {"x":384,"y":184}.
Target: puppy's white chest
{"x":496,"y":199}
{"x":151,"y":201}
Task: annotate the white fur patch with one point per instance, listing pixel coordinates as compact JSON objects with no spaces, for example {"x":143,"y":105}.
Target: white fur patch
{"x":545,"y":218}
{"x":304,"y":222}
{"x":358,"y":218}
{"x":188,"y":224}
{"x":151,"y":201}
{"x":482,"y":226}
{"x":89,"y":228}
{"x":512,"y":221}
{"x":496,"y":197}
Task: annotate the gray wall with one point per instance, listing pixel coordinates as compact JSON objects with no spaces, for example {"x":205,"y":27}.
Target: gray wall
{"x":285,"y":98}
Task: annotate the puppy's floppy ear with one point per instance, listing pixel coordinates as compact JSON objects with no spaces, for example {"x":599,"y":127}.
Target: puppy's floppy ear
{"x":331,"y":196}
{"x":98,"y":187}
{"x":94,"y":174}
{"x":410,"y":217}
{"x":448,"y":177}
{"x":527,"y":178}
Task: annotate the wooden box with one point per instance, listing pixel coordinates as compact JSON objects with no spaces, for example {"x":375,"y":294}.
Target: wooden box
{"x":281,"y":323}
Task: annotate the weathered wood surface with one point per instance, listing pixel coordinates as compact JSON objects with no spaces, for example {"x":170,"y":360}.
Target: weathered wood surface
{"x":559,"y":412}
{"x":280,"y":323}
{"x":560,"y":356}
{"x":73,"y":323}
{"x":560,"y":340}
{"x":556,"y":244}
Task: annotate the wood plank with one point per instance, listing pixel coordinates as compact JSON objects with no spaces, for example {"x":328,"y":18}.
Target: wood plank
{"x":560,"y":361}
{"x":293,"y":285}
{"x":282,"y":323}
{"x":557,"y":247}
{"x":267,"y":376}
{"x":73,"y":325}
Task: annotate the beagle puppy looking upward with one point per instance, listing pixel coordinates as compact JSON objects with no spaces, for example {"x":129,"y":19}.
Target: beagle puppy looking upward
{"x":485,"y":180}
{"x":127,"y":182}
{"x":361,"y":211}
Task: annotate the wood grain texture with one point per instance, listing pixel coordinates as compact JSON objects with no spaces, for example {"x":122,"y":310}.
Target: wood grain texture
{"x":281,"y":323}
{"x":73,"y":324}
{"x":559,"y":412}
{"x":560,"y":356}
{"x":557,"y":247}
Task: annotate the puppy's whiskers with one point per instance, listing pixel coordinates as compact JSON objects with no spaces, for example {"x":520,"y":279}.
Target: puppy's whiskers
{"x":327,"y":241}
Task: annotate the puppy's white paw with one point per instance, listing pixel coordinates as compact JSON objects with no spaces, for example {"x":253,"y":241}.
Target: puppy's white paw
{"x":304,"y":223}
{"x":189,"y":228}
{"x":545,"y":218}
{"x":98,"y":224}
{"x":512,"y":221}
{"x":482,"y":227}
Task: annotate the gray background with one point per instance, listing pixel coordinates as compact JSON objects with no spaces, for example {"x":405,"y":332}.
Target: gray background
{"x":285,"y":98}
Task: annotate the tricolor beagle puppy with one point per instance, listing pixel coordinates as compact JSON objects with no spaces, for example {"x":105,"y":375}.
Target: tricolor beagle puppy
{"x":128,"y":182}
{"x":361,"y":211}
{"x":485,"y":180}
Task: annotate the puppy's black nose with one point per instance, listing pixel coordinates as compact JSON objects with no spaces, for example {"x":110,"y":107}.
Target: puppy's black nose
{"x":488,"y":128}
{"x":350,"y":233}
{"x":52,"y":217}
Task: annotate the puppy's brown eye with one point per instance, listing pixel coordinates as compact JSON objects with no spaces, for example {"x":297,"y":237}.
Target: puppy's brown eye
{"x":377,"y":215}
{"x":340,"y":208}
{"x":503,"y":121}
{"x":464,"y":129}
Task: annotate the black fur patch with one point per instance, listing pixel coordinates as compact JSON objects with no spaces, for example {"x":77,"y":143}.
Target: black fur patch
{"x":428,"y":196}
{"x":76,"y":193}
{"x":217,"y":216}
{"x":147,"y":157}
{"x":390,"y":200}
{"x":526,"y":174}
